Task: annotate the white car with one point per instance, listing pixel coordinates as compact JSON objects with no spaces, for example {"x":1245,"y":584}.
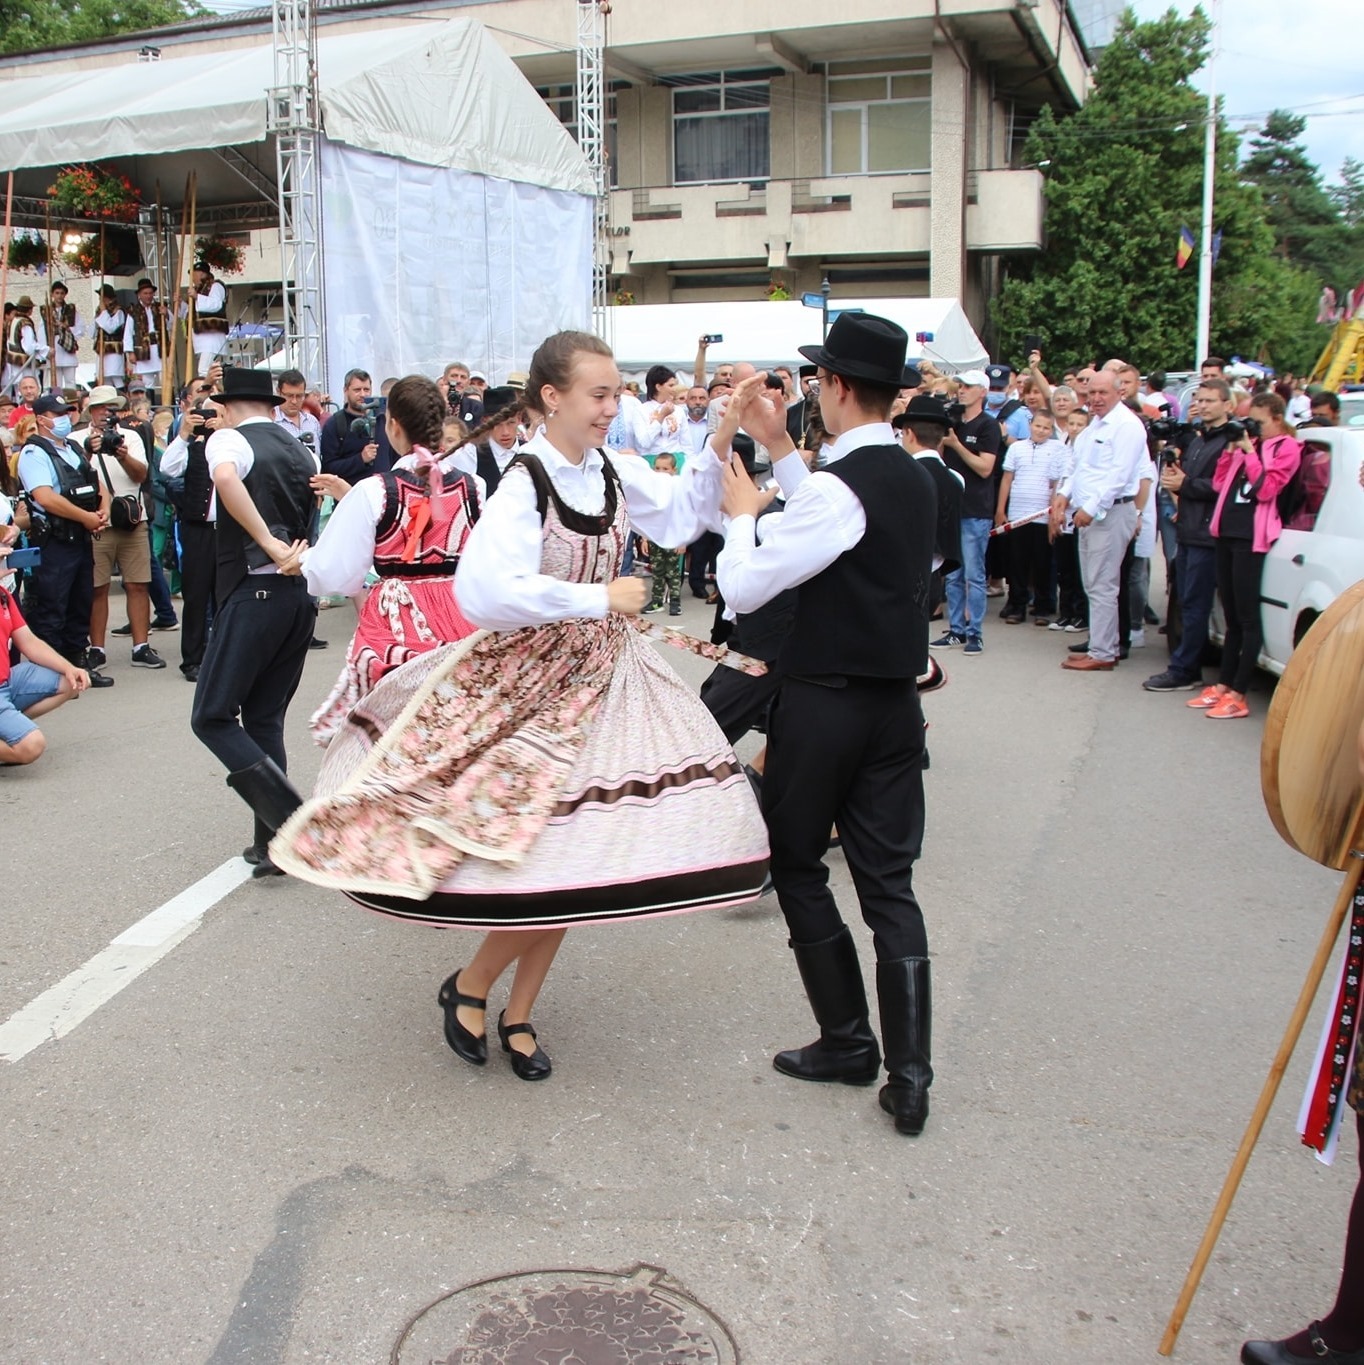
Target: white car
{"x":1321,"y":550}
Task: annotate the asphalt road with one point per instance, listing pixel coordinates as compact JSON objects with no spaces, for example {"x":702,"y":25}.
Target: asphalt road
{"x":261,"y":1149}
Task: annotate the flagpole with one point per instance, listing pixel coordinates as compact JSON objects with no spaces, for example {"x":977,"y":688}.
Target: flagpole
{"x":1205,"y":246}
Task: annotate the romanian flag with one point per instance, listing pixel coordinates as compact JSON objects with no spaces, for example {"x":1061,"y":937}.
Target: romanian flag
{"x":1184,"y":253}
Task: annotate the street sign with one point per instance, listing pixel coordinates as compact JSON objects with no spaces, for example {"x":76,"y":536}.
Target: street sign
{"x":812,"y":300}
{"x":837,"y":313}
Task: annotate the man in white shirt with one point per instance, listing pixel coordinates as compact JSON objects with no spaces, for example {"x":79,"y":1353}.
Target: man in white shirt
{"x":119,"y":460}
{"x":110,"y":324}
{"x":695,"y":428}
{"x":64,"y":331}
{"x":1110,"y":457}
{"x":210,"y":322}
{"x":26,"y":348}
{"x":846,"y":740}
{"x":142,"y":335}
{"x":264,"y":617}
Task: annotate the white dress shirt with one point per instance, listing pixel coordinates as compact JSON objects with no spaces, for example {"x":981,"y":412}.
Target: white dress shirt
{"x":344,"y":553}
{"x":822,"y":520}
{"x":1110,"y":455}
{"x":693,"y":436}
{"x":499,"y":584}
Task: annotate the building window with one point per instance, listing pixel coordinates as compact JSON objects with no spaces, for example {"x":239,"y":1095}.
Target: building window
{"x":879,"y":123}
{"x":721,"y":127}
{"x":563,"y":102}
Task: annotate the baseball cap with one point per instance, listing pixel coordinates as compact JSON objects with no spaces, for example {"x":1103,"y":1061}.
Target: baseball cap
{"x":477,"y":374}
{"x":976,"y":378}
{"x":998,"y":376}
{"x":49,"y":402}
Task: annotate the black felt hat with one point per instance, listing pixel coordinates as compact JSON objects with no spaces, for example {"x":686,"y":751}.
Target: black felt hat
{"x":494,"y":400}
{"x":923,"y":407}
{"x":256,"y":386}
{"x":744,"y":447}
{"x":863,"y":346}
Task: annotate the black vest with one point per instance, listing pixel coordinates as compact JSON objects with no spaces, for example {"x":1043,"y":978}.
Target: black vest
{"x":866,"y":615}
{"x":198,"y":494}
{"x":487,"y":467}
{"x":278,"y":485}
{"x":76,"y":485}
{"x":949,"y":511}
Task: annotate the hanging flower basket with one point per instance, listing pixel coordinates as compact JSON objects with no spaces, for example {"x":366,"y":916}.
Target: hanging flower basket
{"x":777,"y":292}
{"x":624,"y":298}
{"x":84,"y":257}
{"x":93,"y":192}
{"x":222,"y":256}
{"x":28,"y":253}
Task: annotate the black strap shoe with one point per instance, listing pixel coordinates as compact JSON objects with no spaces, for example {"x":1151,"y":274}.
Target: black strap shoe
{"x":533,"y":1067}
{"x":1277,"y":1352}
{"x":470,"y":1047}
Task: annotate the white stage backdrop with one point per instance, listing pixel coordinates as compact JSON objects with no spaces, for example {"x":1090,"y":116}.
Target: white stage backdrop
{"x":424,"y":265}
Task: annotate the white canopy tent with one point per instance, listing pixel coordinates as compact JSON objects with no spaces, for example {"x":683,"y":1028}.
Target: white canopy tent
{"x":474,"y":235}
{"x":768,"y":333}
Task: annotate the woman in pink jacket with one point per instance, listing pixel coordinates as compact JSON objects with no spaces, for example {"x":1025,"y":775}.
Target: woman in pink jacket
{"x":1250,"y":476}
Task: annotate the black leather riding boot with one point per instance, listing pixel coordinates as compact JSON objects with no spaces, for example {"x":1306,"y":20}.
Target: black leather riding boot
{"x":272,"y":798}
{"x":906,"y":1000}
{"x":846,"y":1050}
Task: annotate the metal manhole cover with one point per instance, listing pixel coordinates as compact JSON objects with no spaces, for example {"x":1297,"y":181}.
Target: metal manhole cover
{"x":568,"y":1317}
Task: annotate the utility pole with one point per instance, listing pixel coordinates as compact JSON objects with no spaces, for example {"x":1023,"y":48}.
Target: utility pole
{"x":293,"y":117}
{"x":1202,"y":343}
{"x":590,"y":105}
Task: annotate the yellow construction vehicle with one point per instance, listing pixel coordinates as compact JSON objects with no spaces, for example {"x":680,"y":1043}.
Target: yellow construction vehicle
{"x":1342,"y":362}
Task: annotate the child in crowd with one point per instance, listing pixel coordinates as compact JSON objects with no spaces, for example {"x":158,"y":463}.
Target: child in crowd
{"x":1072,"y":606}
{"x":1032,"y":468}
{"x":453,"y":435}
{"x":666,"y":564}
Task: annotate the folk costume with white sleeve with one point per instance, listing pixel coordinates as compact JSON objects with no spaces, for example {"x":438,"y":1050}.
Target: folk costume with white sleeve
{"x":551,"y":769}
{"x":845,"y":735}
{"x":412,"y":538}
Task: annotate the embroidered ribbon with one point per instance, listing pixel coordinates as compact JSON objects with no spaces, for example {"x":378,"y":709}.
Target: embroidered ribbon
{"x":666,"y":635}
{"x":394,"y":595}
{"x":1329,"y":1084}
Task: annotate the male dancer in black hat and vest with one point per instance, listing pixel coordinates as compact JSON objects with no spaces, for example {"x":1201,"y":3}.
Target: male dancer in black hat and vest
{"x":846,"y":736}
{"x":264,"y":618}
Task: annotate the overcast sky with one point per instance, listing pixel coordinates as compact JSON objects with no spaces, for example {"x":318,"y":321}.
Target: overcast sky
{"x":1301,"y":56}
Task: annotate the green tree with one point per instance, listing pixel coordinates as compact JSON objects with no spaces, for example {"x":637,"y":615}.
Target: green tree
{"x":1306,"y":223}
{"x":1121,"y":175}
{"x":34,"y":25}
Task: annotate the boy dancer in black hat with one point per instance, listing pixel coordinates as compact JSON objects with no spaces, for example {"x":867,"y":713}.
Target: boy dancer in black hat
{"x":264,"y":617}
{"x":845,"y":736}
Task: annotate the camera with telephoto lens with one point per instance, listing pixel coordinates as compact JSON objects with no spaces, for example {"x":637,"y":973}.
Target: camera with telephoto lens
{"x":1168,"y":429}
{"x":374,"y":410}
{"x":1244,"y":426}
{"x":110,"y":437}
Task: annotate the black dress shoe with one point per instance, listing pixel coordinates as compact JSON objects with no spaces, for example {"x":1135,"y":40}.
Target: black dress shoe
{"x":315,"y":643}
{"x":99,"y":680}
{"x":1277,"y":1352}
{"x":533,"y":1068}
{"x":1079,"y":649}
{"x":190,"y":672}
{"x":253,"y":854}
{"x":471,"y":1047}
{"x":265,"y":868}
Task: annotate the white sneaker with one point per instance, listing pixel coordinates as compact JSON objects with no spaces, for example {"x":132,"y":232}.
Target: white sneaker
{"x":1138,"y":640}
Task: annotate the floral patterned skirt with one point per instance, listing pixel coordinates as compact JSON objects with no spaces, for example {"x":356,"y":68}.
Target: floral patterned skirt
{"x":531,"y":779}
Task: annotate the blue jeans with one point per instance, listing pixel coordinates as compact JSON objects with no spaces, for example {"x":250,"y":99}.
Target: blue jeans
{"x":966,"y":586}
{"x":1196,"y":577}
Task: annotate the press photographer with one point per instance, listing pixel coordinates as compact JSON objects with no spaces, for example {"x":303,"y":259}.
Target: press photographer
{"x":67,"y":508}
{"x":351,"y":440}
{"x":1188,"y":477}
{"x":119,"y":460}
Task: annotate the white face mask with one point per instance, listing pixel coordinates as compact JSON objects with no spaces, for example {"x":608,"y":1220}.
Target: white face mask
{"x":61,"y":426}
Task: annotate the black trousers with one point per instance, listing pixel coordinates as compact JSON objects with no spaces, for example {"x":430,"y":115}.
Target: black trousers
{"x":198,"y":566}
{"x":851,"y":754}
{"x":1071,"y":600}
{"x":1030,"y":567}
{"x":60,"y":597}
{"x":701,"y":559}
{"x":1239,"y":570}
{"x":252,"y":668}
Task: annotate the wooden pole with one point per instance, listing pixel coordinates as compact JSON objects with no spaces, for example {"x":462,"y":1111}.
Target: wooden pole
{"x":49,"y":313}
{"x":99,"y":304}
{"x":1271,"y":1088}
{"x":167,"y":361}
{"x":4,"y":266}
{"x":189,"y":313}
{"x":180,"y":260}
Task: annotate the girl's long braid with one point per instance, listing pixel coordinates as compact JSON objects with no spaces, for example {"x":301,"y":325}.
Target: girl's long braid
{"x":496,"y":420}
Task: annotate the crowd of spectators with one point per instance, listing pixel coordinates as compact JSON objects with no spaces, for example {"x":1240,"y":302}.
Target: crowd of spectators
{"x":110,"y":488}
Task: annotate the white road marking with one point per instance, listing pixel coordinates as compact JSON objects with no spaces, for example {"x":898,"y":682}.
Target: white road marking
{"x":75,"y":998}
